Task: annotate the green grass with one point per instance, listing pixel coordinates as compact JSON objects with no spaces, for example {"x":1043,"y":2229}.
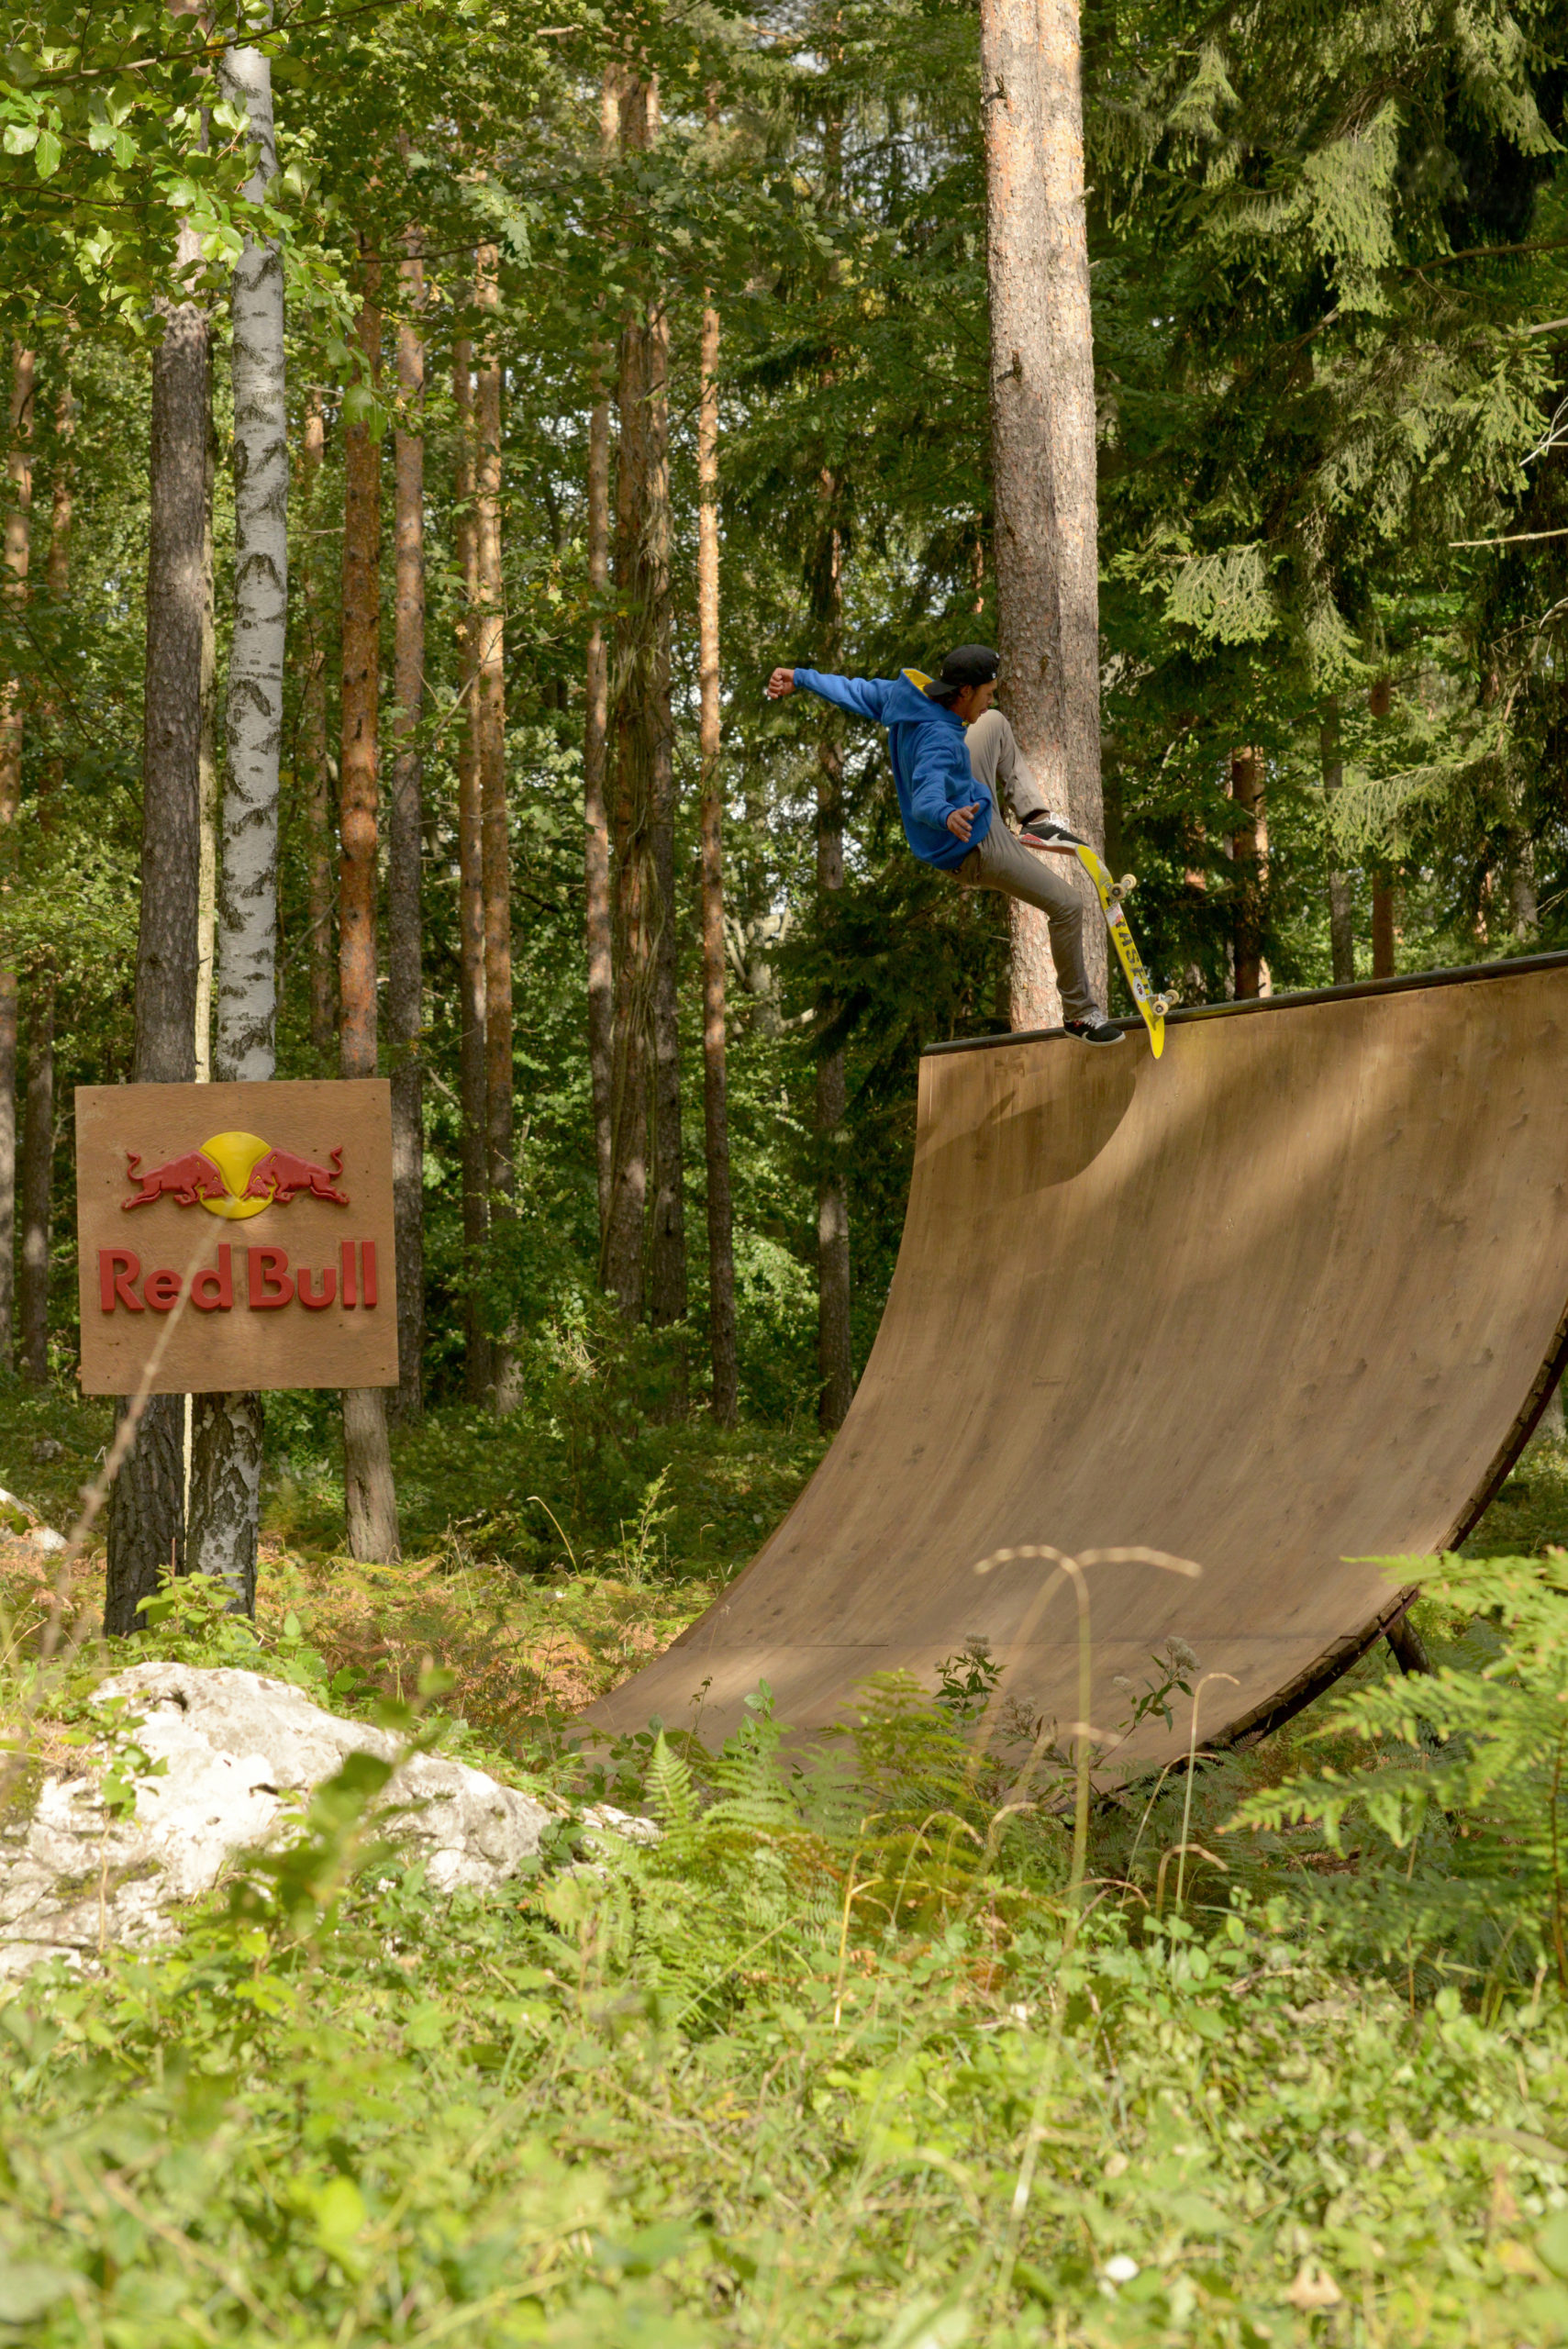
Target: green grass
{"x":841,"y":2061}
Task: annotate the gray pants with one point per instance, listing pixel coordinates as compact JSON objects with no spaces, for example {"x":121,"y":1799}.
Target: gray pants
{"x":1037,"y":878}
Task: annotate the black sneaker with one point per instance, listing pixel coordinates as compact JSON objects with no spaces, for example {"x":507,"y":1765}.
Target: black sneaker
{"x":1093,"y":1031}
{"x":1046,"y":828}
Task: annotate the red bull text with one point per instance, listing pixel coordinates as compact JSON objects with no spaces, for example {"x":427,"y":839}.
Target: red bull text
{"x":266,"y":1286}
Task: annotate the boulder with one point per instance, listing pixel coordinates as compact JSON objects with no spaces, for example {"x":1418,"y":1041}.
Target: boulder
{"x":240,"y":1751}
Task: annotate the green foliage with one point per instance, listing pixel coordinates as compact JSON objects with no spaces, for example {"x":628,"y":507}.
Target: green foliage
{"x":708,"y":2091}
{"x":1461,"y":1834}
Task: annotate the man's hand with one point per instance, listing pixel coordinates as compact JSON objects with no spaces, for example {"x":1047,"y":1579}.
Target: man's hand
{"x":961,"y":823}
{"x":782,"y":682}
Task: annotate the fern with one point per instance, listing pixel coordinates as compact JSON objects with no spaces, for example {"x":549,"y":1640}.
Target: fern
{"x":1461,"y":1826}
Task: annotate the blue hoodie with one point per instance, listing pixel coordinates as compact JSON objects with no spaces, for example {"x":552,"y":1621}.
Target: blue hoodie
{"x":931,"y":760}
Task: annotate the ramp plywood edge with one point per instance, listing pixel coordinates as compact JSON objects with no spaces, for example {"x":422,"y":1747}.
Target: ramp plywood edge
{"x":1289,"y":1299}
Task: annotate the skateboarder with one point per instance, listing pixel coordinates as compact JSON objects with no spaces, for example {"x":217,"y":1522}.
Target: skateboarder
{"x":949,"y":750}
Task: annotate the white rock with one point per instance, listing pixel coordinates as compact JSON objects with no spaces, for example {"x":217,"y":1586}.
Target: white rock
{"x":239,"y":1750}
{"x":624,"y":1823}
{"x":44,"y":1537}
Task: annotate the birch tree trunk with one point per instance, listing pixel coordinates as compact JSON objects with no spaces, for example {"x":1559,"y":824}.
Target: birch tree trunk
{"x":835,"y":1366}
{"x":1042,"y":439}
{"x":147,"y":1510}
{"x":207,"y":791}
{"x":317,"y":773}
{"x":38,"y":1129}
{"x":496,"y":853}
{"x":471,"y":889}
{"x":597,"y":918}
{"x":406,"y":988}
{"x":725,"y":1399}
{"x":227,"y":1430}
{"x":371,"y":1501}
{"x":643,"y":585}
{"x":18,"y":544}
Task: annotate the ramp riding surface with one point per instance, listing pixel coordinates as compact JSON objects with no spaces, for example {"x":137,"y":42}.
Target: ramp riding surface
{"x":1290,"y":1296}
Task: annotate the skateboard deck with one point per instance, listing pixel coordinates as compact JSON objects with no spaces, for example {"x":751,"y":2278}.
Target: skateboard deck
{"x":1110,"y":893}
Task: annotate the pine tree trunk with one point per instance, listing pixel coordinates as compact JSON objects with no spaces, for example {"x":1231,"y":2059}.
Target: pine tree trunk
{"x":1342,"y":918}
{"x":667,"y":1288}
{"x":725,"y":1400}
{"x":317,"y":771}
{"x":1249,"y":840}
{"x":38,"y":1177}
{"x":1385,"y":928}
{"x":599,"y":919}
{"x":495,"y":844}
{"x":19,"y":543}
{"x":470,"y":905}
{"x":369,"y":1492}
{"x":642,"y":737}
{"x":227,"y":1430}
{"x":1042,"y":439}
{"x":38,"y":1132}
{"x":835,"y":1366}
{"x":147,"y":1510}
{"x":405,"y":825}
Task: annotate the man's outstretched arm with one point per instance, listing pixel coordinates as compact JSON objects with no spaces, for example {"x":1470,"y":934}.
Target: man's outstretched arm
{"x":863,"y":696}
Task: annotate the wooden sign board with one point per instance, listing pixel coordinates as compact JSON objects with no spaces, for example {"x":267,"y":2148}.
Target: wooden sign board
{"x":241,"y":1233}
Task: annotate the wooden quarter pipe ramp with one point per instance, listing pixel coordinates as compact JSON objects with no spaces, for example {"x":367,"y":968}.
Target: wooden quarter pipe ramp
{"x":1291,"y":1297}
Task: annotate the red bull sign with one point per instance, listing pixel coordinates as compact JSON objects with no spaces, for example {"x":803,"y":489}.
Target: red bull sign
{"x":305,"y":1297}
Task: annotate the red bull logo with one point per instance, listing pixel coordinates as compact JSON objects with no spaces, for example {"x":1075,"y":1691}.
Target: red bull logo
{"x":235,"y":1175}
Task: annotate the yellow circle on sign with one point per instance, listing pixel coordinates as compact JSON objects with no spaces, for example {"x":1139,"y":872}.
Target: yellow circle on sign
{"x":235,"y":1156}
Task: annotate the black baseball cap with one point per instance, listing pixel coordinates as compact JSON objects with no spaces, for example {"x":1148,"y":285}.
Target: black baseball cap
{"x":967,"y":665}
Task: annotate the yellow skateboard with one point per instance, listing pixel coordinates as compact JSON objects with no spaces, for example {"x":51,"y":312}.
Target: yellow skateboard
{"x":1111,"y":893}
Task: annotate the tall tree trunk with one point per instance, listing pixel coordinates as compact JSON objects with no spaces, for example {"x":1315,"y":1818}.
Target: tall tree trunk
{"x":227,"y":1430}
{"x":725,"y":1401}
{"x":368,"y":1487}
{"x":668,"y":1297}
{"x":317,"y":770}
{"x":147,"y":1510}
{"x":208,"y":786}
{"x":835,"y":1366}
{"x":470,"y":902}
{"x":1384,"y":928}
{"x":1248,"y":845}
{"x":18,"y":545}
{"x":1042,"y":439}
{"x":405,"y":829}
{"x":1341,"y":918}
{"x":642,"y":717}
{"x":38,"y":1131}
{"x":495,"y":844}
{"x":597,"y":918}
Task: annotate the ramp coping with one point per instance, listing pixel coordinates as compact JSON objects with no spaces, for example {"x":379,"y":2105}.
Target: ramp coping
{"x":1407,"y":982}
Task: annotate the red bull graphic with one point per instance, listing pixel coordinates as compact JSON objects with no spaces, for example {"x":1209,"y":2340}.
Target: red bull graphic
{"x":352,"y":1284}
{"x":235,"y":1238}
{"x":185,"y":1179}
{"x":280,"y":1174}
{"x":235,"y":1175}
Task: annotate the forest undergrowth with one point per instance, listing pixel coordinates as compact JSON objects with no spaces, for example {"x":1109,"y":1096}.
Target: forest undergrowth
{"x":872,"y":2047}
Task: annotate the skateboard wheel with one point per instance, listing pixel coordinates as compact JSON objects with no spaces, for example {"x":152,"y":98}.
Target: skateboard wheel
{"x":1126,"y":886}
{"x":1158,"y":1007}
